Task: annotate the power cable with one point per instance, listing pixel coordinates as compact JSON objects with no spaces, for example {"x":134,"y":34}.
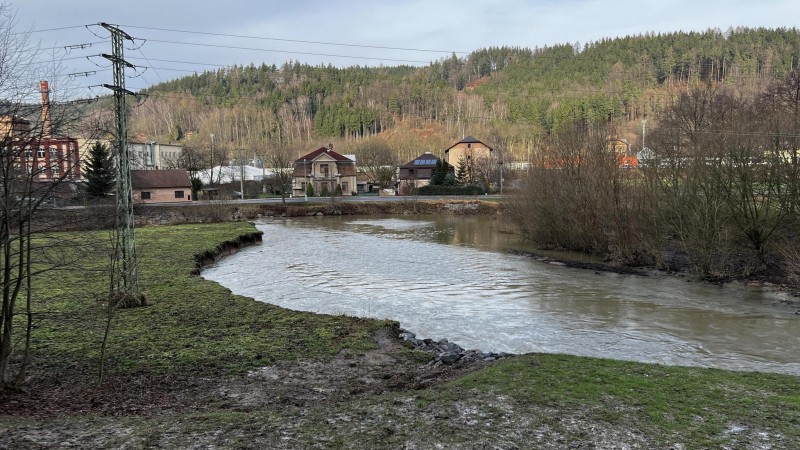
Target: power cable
{"x":45,"y":30}
{"x":255,"y":49}
{"x":380,"y":47}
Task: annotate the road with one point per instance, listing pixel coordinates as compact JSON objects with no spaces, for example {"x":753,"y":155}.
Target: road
{"x":356,"y":198}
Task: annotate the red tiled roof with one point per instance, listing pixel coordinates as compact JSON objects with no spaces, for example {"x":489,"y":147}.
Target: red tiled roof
{"x":313,"y":155}
{"x":151,"y":179}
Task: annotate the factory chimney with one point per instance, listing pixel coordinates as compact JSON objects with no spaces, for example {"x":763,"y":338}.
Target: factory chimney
{"x":47,"y":125}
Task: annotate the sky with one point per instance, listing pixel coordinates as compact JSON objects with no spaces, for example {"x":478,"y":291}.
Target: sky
{"x":175,"y":38}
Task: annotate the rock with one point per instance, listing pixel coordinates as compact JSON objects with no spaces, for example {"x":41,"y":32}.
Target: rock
{"x":450,"y":347}
{"x":449,"y":357}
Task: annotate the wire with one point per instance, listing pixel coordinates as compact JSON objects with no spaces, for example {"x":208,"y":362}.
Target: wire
{"x":294,"y":40}
{"x":234,"y":47}
{"x":45,"y":30}
{"x":181,"y":62}
{"x":148,"y":62}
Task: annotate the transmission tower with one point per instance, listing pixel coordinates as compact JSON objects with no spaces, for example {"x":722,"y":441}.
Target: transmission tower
{"x":125,"y":278}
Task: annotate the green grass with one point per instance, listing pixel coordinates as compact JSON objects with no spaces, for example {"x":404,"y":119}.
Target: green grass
{"x":693,"y":405}
{"x":191,"y":324}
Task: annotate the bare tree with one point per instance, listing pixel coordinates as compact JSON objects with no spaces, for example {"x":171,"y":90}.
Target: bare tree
{"x":377,"y":161}
{"x":281,"y":160}
{"x":32,"y":169}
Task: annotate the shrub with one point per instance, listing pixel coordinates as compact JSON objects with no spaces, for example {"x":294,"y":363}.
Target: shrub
{"x":450,"y":190}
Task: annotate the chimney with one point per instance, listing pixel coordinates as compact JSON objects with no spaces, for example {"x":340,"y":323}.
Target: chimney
{"x":330,"y":147}
{"x":47,"y":125}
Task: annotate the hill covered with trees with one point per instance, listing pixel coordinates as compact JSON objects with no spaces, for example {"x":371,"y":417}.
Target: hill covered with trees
{"x":509,"y":96}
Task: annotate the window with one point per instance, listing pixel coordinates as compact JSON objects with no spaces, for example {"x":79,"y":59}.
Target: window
{"x":324,"y":169}
{"x":53,"y":152}
{"x":55,"y":170}
{"x":344,"y":187}
{"x":40,"y":152}
{"x":145,"y":196}
{"x":178,"y":194}
{"x":28,"y":152}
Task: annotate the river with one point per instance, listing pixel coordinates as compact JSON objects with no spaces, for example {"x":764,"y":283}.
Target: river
{"x":451,"y":277}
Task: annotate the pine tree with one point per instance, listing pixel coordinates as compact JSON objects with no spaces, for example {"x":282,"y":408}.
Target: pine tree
{"x":437,"y":178}
{"x":99,"y":171}
{"x":463,"y":172}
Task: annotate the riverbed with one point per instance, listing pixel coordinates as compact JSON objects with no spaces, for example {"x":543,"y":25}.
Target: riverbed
{"x":452,"y":277}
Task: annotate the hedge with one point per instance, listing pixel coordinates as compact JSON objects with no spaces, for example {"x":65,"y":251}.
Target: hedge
{"x":450,"y":190}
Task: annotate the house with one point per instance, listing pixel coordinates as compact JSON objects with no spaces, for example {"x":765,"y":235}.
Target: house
{"x":466,"y":151}
{"x":162,"y":186}
{"x":469,"y":157}
{"x":622,"y":148}
{"x":44,"y":156}
{"x":324,"y":169}
{"x":416,"y":173}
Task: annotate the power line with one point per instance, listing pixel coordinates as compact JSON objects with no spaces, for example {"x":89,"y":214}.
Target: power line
{"x":380,"y":47}
{"x":256,"y":49}
{"x":45,"y":30}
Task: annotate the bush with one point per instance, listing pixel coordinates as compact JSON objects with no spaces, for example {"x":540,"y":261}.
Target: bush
{"x":450,"y":190}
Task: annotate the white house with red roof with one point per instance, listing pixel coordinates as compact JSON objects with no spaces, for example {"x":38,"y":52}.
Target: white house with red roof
{"x":324,"y":169}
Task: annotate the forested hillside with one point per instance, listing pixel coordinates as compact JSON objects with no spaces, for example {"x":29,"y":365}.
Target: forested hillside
{"x":508,"y":96}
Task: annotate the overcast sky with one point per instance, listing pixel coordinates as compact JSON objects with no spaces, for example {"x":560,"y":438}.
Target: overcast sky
{"x":375,"y":32}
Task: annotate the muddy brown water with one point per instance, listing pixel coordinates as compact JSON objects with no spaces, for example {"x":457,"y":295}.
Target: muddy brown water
{"x":451,"y":277}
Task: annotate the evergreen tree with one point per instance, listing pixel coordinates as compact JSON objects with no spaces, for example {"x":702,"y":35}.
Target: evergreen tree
{"x":100,"y":177}
{"x":437,"y":178}
{"x":463,"y":172}
{"x":447,"y":169}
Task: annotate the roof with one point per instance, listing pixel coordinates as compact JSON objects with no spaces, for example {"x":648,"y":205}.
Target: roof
{"x":153,"y":179}
{"x":469,"y":140}
{"x":423,"y":161}
{"x":316,"y":153}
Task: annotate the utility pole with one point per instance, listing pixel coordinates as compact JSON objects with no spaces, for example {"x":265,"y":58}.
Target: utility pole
{"x":211,"y":176}
{"x":644,"y":130}
{"x":125,"y":277}
{"x":241,"y":173}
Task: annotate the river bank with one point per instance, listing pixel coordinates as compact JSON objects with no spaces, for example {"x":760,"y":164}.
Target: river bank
{"x":201,"y":367}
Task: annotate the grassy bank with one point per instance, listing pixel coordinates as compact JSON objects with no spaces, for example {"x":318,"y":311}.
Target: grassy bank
{"x":181,"y":376}
{"x":190,"y":325}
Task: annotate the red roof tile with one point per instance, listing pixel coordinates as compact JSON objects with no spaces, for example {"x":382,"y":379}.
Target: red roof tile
{"x":151,"y":179}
